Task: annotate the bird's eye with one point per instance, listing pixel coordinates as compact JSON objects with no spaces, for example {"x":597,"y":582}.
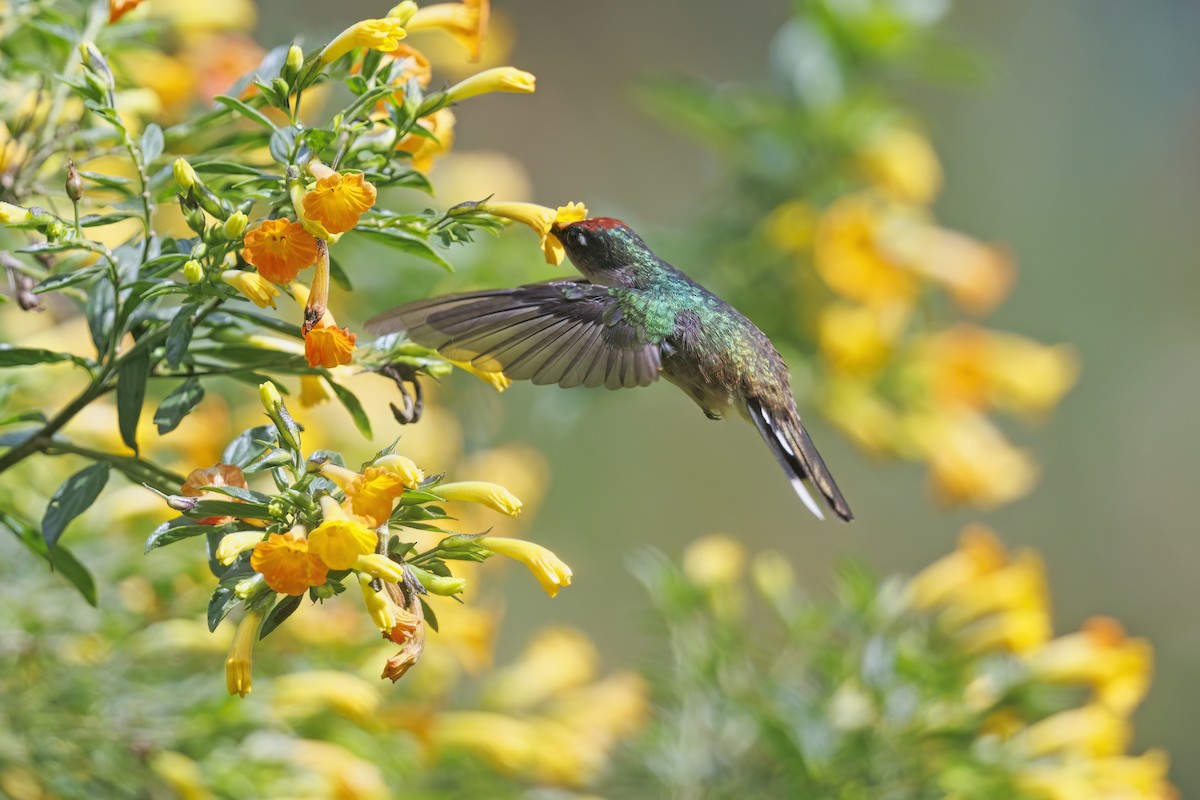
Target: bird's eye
{"x":578,"y":238}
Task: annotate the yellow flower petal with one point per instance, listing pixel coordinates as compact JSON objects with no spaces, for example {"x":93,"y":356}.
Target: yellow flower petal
{"x":339,"y":542}
{"x":548,"y":568}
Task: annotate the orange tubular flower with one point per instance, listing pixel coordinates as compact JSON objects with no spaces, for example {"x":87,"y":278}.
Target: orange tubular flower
{"x":279,"y":249}
{"x":119,"y":8}
{"x":286,"y":564}
{"x":327,"y":345}
{"x":337,"y":201}
{"x":370,"y":495}
{"x":541,"y":219}
{"x":217,"y":475}
{"x":414,"y":65}
{"x":425,"y":149}
{"x":466,"y":21}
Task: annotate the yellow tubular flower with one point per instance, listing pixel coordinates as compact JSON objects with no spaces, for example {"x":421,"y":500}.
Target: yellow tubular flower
{"x":467,"y":22}
{"x":338,"y":541}
{"x":314,"y":391}
{"x":339,"y":200}
{"x":379,"y":566}
{"x":369,"y":495}
{"x":304,"y":694}
{"x":1101,"y":655}
{"x":496,"y":79}
{"x":234,"y":544}
{"x":977,"y":276}
{"x":238,"y":662}
{"x":378,"y":605}
{"x":1091,"y":730}
{"x":979,"y":552}
{"x":376,"y":34}
{"x":858,"y":339}
{"x":492,"y":495}
{"x":1134,"y":777}
{"x":970,"y":460}
{"x":548,"y":568}
{"x":857,"y":410}
{"x":1016,"y":631}
{"x":14,"y":215}
{"x":555,"y":660}
{"x":507,"y":744}
{"x":541,"y":219}
{"x":850,"y":255}
{"x":253,"y":286}
{"x":403,"y":466}
{"x":425,"y":149}
{"x":496,"y":380}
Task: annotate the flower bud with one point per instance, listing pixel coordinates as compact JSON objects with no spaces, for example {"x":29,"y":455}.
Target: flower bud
{"x":185,"y":176}
{"x":193,"y":271}
{"x":271,"y":399}
{"x":444,"y":585}
{"x":74,"y":183}
{"x":96,"y":64}
{"x":235,"y":226}
{"x":403,"y":11}
{"x":247,"y":588}
{"x":294,"y":60}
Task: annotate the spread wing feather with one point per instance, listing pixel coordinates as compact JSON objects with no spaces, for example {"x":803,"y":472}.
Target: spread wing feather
{"x":568,"y":332}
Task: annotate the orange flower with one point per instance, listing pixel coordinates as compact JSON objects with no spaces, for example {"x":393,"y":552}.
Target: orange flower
{"x":369,"y":495}
{"x":424,"y":149}
{"x":414,"y":65}
{"x":466,"y":21}
{"x":119,"y":8}
{"x":279,"y":249}
{"x":337,"y":201}
{"x":286,"y":564}
{"x":327,"y":345}
{"x":217,"y":475}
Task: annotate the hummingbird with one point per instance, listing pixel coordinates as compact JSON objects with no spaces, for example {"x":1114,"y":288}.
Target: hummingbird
{"x":630,"y":319}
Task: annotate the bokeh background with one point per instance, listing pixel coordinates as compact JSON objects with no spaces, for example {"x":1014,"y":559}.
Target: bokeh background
{"x":1075,"y":144}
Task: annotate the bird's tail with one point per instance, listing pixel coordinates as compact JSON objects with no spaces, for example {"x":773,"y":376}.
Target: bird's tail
{"x":798,"y":456}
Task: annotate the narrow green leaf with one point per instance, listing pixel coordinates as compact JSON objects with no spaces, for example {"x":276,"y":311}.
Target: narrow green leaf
{"x":407,"y":243}
{"x":101,"y":312}
{"x":181,"y":528}
{"x":131,"y":393}
{"x":245,"y":110}
{"x":357,"y":413}
{"x":430,"y":617}
{"x":225,"y":168}
{"x":177,"y":405}
{"x":96,"y":220}
{"x":248,"y":445}
{"x":179,"y":336}
{"x":228,"y":508}
{"x":56,"y":282}
{"x":24,"y":356}
{"x":61,"y":559}
{"x":152,"y":143}
{"x":283,"y":609}
{"x":76,"y":494}
{"x":249,"y":495}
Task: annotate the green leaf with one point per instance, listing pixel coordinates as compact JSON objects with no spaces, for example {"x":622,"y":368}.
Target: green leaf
{"x":71,"y":499}
{"x":56,"y":282}
{"x":24,"y":356}
{"x":407,"y":243}
{"x":430,"y":617}
{"x":226,"y":168}
{"x":181,"y":528}
{"x":249,"y":495}
{"x":108,"y":181}
{"x":179,"y":336}
{"x":248,"y":445}
{"x":228,"y":508}
{"x":96,"y":220}
{"x":281,"y":143}
{"x":177,"y":405}
{"x":23,"y":416}
{"x":347,"y":399}
{"x":101,"y":312}
{"x":339,"y":276}
{"x":283,"y":609}
{"x":131,"y":393}
{"x":152,"y":143}
{"x":60,"y":559}
{"x":245,"y":110}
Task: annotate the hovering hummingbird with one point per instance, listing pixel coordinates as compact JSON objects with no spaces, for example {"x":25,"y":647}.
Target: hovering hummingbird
{"x":631,"y":318}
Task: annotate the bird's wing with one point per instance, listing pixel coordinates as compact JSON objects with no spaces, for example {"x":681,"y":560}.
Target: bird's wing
{"x":568,"y":332}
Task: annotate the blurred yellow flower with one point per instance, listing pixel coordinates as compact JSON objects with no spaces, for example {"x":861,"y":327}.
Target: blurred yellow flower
{"x":241,"y":651}
{"x":314,"y":390}
{"x":556,"y":659}
{"x":181,"y":773}
{"x":467,"y":22}
{"x":791,"y":226}
{"x":305,"y":694}
{"x":979,"y":553}
{"x":855,"y":407}
{"x":190,"y":18}
{"x":327,"y":345}
{"x":1141,"y":777}
{"x":496,"y":79}
{"x":287,"y":563}
{"x":506,"y":743}
{"x":548,"y":568}
{"x":279,"y":249}
{"x":340,"y":774}
{"x":1091,"y":730}
{"x":424,"y":149}
{"x":375,"y":34}
{"x":370,"y":495}
{"x":1018,"y":585}
{"x":1100,"y":655}
{"x":902,"y":163}
{"x":339,"y":200}
{"x":970,"y":461}
{"x":253,"y":286}
{"x":715,"y":561}
{"x":858,"y":339}
{"x":12,"y":154}
{"x":218,"y":60}
{"x":338,"y":540}
{"x":492,"y":495}
{"x":173,"y":82}
{"x":977,"y":276}
{"x":850,"y":255}
{"x":1017,"y":630}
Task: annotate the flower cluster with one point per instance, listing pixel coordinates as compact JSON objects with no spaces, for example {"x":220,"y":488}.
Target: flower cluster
{"x":876,"y":300}
{"x":328,"y":524}
{"x":948,"y":683}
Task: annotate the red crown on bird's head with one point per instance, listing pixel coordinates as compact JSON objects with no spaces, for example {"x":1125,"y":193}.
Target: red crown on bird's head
{"x":594,"y":224}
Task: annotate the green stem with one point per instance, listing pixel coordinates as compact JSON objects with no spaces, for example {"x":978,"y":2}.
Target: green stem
{"x":146,"y":471}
